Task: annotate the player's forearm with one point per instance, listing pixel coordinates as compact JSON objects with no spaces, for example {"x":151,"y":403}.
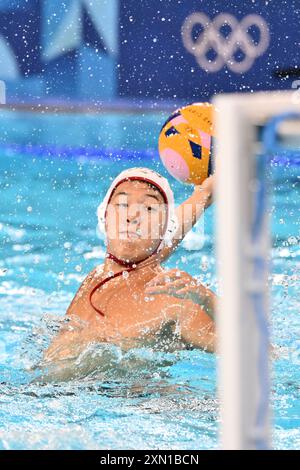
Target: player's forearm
{"x":190,"y":211}
{"x":202,"y":336}
{"x":206,"y":299}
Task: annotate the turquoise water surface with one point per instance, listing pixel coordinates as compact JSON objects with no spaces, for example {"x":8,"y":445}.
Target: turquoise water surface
{"x":143,"y":398}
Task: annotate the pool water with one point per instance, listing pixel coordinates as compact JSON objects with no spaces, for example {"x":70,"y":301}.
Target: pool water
{"x":144,"y":398}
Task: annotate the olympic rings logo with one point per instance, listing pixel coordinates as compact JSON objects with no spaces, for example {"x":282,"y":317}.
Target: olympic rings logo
{"x":225,"y":47}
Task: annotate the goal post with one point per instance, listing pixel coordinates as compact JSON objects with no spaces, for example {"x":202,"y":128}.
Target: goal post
{"x":243,"y":253}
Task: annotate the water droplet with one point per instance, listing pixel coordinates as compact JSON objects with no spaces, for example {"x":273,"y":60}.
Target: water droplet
{"x":292,"y":240}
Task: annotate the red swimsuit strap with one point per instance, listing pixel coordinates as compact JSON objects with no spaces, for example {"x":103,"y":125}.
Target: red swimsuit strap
{"x":101,"y":284}
{"x":129,"y":264}
{"x":131,"y":267}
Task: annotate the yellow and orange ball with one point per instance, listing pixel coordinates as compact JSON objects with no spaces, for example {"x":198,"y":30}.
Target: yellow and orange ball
{"x":185,"y":143}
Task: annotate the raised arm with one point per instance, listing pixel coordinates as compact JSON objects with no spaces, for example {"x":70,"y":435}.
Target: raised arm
{"x":189,"y":212}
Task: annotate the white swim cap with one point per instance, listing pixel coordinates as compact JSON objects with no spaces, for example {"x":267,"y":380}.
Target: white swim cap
{"x":162,"y":184}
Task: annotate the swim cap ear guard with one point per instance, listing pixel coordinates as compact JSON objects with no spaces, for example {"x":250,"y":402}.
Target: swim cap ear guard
{"x":162,"y":184}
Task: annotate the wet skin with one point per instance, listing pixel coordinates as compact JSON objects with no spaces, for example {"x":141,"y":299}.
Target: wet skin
{"x":136,"y":313}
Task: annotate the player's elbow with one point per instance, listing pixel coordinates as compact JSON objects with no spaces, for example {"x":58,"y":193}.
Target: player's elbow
{"x":204,"y":338}
{"x":207,"y":341}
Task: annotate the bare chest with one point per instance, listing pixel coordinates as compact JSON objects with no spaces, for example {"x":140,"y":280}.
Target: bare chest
{"x":128,"y":310}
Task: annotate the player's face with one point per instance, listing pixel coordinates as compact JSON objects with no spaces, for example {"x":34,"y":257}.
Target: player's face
{"x":135,"y":220}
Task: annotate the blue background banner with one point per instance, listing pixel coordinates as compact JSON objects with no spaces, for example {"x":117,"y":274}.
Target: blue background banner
{"x":104,"y":50}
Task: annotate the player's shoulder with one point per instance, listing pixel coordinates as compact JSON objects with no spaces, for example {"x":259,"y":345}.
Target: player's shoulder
{"x":93,"y":276}
{"x":98,"y":270}
{"x":89,"y":281}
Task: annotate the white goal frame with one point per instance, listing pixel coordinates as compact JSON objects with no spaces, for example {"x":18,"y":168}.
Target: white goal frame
{"x":243,"y":265}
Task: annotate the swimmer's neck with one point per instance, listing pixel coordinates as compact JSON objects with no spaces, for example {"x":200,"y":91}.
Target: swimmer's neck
{"x":110,"y":265}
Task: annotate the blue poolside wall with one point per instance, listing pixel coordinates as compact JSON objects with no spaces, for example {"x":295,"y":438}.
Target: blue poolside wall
{"x":106,"y":50}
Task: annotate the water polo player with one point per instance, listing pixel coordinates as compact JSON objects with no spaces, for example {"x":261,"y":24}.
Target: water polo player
{"x":131,"y":297}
